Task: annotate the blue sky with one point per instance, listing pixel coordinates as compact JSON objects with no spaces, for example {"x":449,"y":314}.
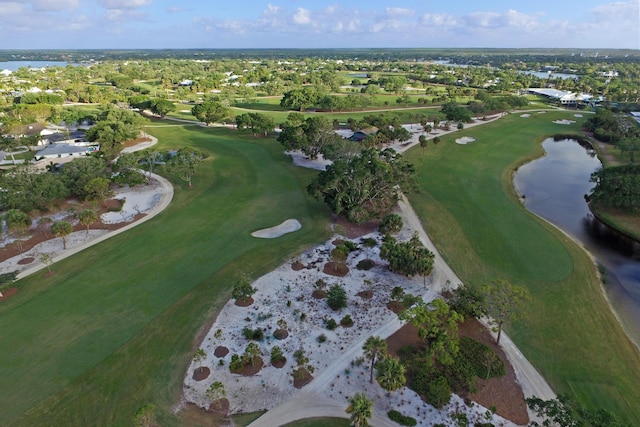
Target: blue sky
{"x":85,"y":24}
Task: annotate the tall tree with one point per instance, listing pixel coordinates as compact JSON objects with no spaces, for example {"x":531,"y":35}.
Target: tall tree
{"x":98,"y":189}
{"x":423,"y":143}
{"x":62,"y":229}
{"x":365,"y":186}
{"x":374,"y":347}
{"x":18,"y":224}
{"x":390,"y":373}
{"x":505,"y":302}
{"x":162,"y":107}
{"x":437,"y":324}
{"x":361,"y":408}
{"x":210,"y":111}
{"x":183,"y":163}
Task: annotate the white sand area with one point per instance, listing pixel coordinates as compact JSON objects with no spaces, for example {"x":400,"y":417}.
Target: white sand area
{"x":526,"y":116}
{"x":465,"y":140}
{"x":564,"y":122}
{"x":288,"y":226}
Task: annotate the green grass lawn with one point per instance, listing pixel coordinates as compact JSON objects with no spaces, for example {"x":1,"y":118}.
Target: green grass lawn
{"x":467,"y":203}
{"x":116,"y":326}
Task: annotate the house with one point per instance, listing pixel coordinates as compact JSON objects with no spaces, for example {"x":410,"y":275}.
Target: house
{"x":60,"y":150}
{"x":362,"y":134}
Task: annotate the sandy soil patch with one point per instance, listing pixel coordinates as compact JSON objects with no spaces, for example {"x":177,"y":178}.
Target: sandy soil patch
{"x":465,"y":140}
{"x":577,"y":115}
{"x":137,"y":200}
{"x":288,"y":226}
{"x":526,"y":116}
{"x":285,"y":297}
{"x":564,"y":122}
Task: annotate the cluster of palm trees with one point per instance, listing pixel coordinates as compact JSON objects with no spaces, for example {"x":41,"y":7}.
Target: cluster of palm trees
{"x":390,"y":376}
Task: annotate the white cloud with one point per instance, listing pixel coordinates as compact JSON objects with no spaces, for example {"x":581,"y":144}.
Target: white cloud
{"x":618,"y":11}
{"x":54,"y":5}
{"x":302,"y":16}
{"x":10,"y":8}
{"x":125,"y":4}
{"x":398,"y":11}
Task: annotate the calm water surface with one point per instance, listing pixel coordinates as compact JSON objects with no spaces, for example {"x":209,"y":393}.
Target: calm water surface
{"x":554,"y":187}
{"x":14,"y":65}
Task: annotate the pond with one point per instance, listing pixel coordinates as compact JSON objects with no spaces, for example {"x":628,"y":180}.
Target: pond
{"x":554,"y":187}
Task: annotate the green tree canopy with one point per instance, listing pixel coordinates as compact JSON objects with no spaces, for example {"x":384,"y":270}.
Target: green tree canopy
{"x":211,"y":111}
{"x":617,"y":187}
{"x":364,"y":187}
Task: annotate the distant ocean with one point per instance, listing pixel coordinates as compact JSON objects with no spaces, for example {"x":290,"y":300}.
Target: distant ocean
{"x":14,"y":65}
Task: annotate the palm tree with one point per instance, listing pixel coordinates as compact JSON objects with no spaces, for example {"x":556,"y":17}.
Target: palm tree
{"x":374,"y":347}
{"x":360,"y":408}
{"x":216,"y":392}
{"x":390,"y":373}
{"x":423,"y":143}
{"x":87,"y":217}
{"x":62,"y":229}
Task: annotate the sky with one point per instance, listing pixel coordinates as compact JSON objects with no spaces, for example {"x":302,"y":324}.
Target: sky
{"x":218,"y":24}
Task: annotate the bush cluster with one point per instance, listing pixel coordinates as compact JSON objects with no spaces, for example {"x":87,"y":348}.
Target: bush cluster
{"x":403,"y":420}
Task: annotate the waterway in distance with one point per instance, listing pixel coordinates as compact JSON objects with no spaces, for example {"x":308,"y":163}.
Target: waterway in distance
{"x":554,"y":187}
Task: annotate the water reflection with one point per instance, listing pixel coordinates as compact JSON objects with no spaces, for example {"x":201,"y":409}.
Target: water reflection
{"x":554,"y":187}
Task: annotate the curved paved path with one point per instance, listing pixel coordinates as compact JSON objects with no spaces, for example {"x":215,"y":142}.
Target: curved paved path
{"x":165,"y":200}
{"x":309,"y":402}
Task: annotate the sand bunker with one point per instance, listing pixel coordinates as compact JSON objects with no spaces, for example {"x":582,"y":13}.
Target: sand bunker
{"x":464,"y":140}
{"x":526,"y":116}
{"x":577,"y":115}
{"x":289,"y":226}
{"x":564,"y":122}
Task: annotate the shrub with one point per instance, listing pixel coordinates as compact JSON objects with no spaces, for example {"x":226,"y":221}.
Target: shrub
{"x":365,"y":264}
{"x":276,"y":355}
{"x":253,"y":334}
{"x":242,"y":289}
{"x":236,"y":363}
{"x":346,"y":320}
{"x":351,"y":246}
{"x":438,"y":392}
{"x":337,"y":297}
{"x":320,"y":284}
{"x":403,"y":420}
{"x":484,"y":362}
{"x":300,"y":357}
{"x":331,"y":324}
{"x":369,"y":242}
{"x":397,"y":293}
{"x":321,"y":338}
{"x":391,"y":223}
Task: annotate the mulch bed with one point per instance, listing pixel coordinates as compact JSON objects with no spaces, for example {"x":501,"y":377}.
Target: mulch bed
{"x":221,"y":351}
{"x":249,"y":370}
{"x":27,"y":260}
{"x":8,"y":293}
{"x":279,"y":363}
{"x":504,"y":393}
{"x":41,"y":232}
{"x":301,"y":378}
{"x":244,"y":302}
{"x":335,"y":269}
{"x":352,"y":230}
{"x":395,"y":306}
{"x":365,"y":294}
{"x":297,"y":266}
{"x":201,"y":373}
{"x":280,"y":334}
{"x":220,"y":406}
{"x":318,"y":294}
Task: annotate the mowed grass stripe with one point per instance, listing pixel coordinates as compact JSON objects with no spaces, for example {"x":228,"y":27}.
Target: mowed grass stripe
{"x":467,"y":204}
{"x":60,"y":333}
